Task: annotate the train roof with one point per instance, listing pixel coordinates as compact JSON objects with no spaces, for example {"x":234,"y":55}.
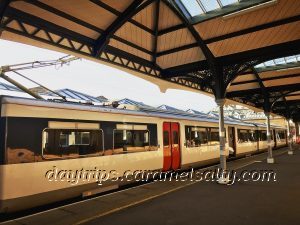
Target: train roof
{"x":143,"y":110}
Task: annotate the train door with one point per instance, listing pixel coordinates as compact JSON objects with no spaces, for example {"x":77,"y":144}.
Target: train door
{"x":231,"y":141}
{"x":171,"y":142}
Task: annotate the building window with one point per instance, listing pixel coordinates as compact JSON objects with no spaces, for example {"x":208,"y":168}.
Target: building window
{"x":70,"y":143}
{"x":195,"y":136}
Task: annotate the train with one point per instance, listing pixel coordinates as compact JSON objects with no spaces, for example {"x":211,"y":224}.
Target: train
{"x":40,"y":136}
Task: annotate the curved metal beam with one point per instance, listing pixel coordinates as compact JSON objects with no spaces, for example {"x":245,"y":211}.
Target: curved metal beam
{"x":84,"y":23}
{"x":3,"y":6}
{"x":112,"y":10}
{"x":206,"y":51}
{"x":129,"y":12}
{"x":215,"y":69}
{"x":259,"y":80}
{"x":155,"y":39}
{"x":281,"y":96}
{"x":265,"y":93}
{"x":287,"y":107}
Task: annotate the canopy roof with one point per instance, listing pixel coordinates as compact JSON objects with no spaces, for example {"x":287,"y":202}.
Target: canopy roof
{"x":211,"y":46}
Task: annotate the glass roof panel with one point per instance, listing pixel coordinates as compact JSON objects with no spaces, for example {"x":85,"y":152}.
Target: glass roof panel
{"x":192,"y":7}
{"x":260,"y":65}
{"x":279,"y":61}
{"x":199,"y":7}
{"x":210,"y":5}
{"x":269,"y":63}
{"x":289,"y":61}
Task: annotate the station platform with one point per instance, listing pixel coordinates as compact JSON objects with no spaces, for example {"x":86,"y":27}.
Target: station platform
{"x":191,"y":202}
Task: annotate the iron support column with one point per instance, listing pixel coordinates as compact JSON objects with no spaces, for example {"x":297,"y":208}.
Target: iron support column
{"x":270,"y":158}
{"x":223,"y":179}
{"x":290,"y":151}
{"x":297,"y":131}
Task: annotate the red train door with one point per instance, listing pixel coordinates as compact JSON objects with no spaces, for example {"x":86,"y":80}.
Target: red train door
{"x":171,"y":142}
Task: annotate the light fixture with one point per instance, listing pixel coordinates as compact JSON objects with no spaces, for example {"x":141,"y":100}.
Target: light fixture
{"x":290,"y":68}
{"x":250,"y":9}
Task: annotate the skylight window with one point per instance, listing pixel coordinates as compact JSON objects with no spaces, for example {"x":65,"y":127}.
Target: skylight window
{"x":197,"y":11}
{"x":290,"y":59}
{"x":209,"y":5}
{"x":192,"y":7}
{"x":270,"y":63}
{"x":198,"y":7}
{"x":280,"y":61}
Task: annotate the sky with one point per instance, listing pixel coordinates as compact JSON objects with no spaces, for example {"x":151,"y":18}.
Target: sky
{"x":96,"y":79}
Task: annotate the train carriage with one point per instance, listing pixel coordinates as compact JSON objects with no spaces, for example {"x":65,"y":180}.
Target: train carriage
{"x":39,"y":136}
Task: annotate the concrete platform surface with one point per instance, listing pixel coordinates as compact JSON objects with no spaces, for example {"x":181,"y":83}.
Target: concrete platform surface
{"x":191,"y":202}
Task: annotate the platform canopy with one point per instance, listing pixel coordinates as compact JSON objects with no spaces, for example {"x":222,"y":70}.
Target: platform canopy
{"x":244,"y":50}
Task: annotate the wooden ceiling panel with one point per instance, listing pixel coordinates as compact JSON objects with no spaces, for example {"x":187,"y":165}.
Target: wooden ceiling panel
{"x":96,"y":15}
{"x":276,"y":73}
{"x":136,"y":35}
{"x":117,"y":4}
{"x":146,"y":16}
{"x":242,"y":87}
{"x":129,"y":49}
{"x":282,"y":81}
{"x":174,"y":39}
{"x":167,"y":18}
{"x":180,"y":58}
{"x":291,"y":98}
{"x":295,"y":93}
{"x":246,"y":77}
{"x":259,"y":39}
{"x":43,"y":14}
{"x":218,"y":26}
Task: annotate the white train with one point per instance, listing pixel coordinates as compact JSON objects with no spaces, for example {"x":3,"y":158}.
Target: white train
{"x":37,"y":136}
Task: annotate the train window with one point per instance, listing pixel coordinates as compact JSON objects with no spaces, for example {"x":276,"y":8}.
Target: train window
{"x":243,"y":136}
{"x":126,"y":141}
{"x":280,"y":136}
{"x":262,"y":135}
{"x":246,"y":136}
{"x":214,"y":136}
{"x":195,"y":136}
{"x":166,"y":138}
{"x":66,"y":143}
{"x":252,"y":135}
